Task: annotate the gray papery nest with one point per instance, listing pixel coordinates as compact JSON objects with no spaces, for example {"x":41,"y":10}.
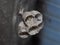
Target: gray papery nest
{"x":32,"y":24}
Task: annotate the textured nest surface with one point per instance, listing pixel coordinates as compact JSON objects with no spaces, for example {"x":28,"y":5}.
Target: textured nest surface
{"x":34,"y":21}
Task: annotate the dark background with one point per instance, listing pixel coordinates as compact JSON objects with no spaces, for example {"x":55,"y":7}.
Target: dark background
{"x":8,"y":32}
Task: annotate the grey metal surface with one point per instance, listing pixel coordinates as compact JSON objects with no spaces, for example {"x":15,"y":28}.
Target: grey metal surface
{"x":51,"y":32}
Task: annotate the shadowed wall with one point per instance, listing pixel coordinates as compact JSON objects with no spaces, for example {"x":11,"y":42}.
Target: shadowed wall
{"x":9,"y":9}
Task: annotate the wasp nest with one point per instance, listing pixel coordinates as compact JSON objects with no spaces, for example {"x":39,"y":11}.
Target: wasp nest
{"x":32,"y":24}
